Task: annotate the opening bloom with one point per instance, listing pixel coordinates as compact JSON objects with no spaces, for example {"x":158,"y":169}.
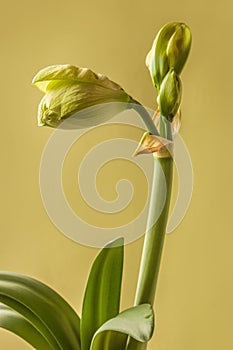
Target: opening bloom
{"x":69,"y":89}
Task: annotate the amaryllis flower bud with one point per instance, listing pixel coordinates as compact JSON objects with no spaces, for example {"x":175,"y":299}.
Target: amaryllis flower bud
{"x":169,"y":97}
{"x":178,"y":47}
{"x":170,"y":50}
{"x":69,"y":89}
{"x":156,"y":59}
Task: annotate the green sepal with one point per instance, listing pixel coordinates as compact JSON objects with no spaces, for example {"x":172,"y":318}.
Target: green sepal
{"x":102,"y":294}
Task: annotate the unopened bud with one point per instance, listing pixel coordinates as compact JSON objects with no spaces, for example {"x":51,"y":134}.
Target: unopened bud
{"x":170,"y":95}
{"x":178,"y":48}
{"x":170,"y":50}
{"x":156,"y":59}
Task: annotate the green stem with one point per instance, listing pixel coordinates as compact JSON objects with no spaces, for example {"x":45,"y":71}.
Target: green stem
{"x":154,"y":238}
{"x":145,"y":117}
{"x":165,"y":128}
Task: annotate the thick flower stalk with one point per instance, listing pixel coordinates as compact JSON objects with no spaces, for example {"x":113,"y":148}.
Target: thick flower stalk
{"x":165,"y":62}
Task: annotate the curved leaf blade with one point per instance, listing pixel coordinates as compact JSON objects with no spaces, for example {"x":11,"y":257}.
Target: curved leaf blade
{"x":17,"y":324}
{"x":29,"y":316}
{"x":136,"y":322}
{"x":102,"y":294}
{"x":43,"y":307}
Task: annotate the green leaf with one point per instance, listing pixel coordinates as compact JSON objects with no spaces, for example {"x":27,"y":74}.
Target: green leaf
{"x":110,"y":340}
{"x":32,"y":318}
{"x":102,"y":294}
{"x":15,"y":323}
{"x":46,"y":310}
{"x":136,"y":322}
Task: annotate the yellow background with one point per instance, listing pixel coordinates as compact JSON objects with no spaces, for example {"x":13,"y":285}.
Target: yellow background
{"x":194,"y":304}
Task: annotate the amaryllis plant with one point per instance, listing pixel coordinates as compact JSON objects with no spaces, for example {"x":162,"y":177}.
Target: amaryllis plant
{"x":33,"y":310}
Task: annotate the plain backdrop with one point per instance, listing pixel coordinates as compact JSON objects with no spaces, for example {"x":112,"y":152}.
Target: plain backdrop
{"x":194,"y":305}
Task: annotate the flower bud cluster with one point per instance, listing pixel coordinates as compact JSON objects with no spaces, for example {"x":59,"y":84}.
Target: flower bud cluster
{"x":165,"y":62}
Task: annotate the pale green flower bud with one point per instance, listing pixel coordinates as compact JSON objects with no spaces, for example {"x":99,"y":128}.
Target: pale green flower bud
{"x":156,"y":60}
{"x":169,"y":97}
{"x":178,"y":47}
{"x":170,"y":50}
{"x":69,"y":89}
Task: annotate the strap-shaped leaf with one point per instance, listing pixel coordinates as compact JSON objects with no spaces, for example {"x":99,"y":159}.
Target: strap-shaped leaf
{"x":32,"y":318}
{"x":17,"y":324}
{"x":43,"y":307}
{"x":136,"y":322}
{"x":102,"y":294}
